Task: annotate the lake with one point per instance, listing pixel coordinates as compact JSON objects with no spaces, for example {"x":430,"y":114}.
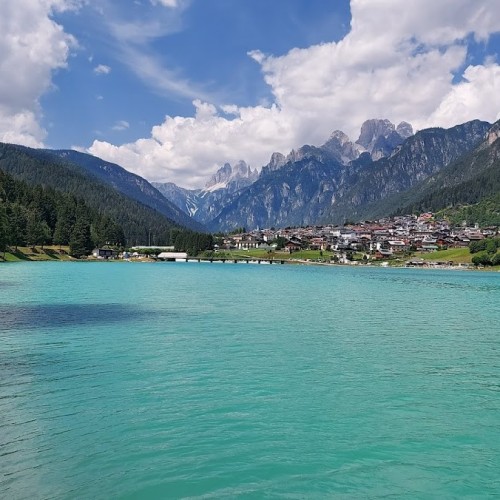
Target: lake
{"x":200,"y":380}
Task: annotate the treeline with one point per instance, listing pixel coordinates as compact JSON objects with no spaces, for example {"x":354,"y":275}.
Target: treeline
{"x":191,"y":242}
{"x":37,"y":215}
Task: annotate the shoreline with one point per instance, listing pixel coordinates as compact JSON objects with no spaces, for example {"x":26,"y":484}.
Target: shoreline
{"x":299,"y":262}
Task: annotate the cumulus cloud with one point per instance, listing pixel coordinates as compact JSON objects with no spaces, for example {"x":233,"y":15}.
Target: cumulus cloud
{"x":398,"y":62}
{"x":32,"y":46}
{"x":102,"y":69}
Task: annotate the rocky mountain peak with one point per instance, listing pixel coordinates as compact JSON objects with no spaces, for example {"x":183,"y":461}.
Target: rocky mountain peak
{"x":380,"y":137}
{"x":372,"y":129}
{"x":241,"y":172}
{"x":338,"y":137}
{"x":342,"y":148}
{"x":405,"y":130}
{"x":295,"y":155}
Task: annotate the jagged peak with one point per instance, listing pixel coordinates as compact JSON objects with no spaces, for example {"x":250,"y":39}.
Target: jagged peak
{"x":227,"y":173}
{"x":338,"y":135}
{"x":405,"y":130}
{"x":277,"y":161}
{"x":341,"y":147}
{"x":372,"y":129}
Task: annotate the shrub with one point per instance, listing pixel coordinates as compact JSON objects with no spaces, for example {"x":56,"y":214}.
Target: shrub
{"x":495,"y":260}
{"x":481,"y":258}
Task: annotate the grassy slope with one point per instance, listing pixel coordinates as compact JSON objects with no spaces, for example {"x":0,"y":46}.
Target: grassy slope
{"x":263,"y":254}
{"x":457,"y":255}
{"x":48,"y":253}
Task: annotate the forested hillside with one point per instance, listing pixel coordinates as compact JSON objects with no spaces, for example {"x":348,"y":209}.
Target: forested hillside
{"x":140,"y":224}
{"x":123,"y":181}
{"x":36,"y":215}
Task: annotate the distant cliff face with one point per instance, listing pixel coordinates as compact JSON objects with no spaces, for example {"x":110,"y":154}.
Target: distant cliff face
{"x":296,"y":194}
{"x":232,"y":178}
{"x":380,"y":137}
{"x":377,"y":138}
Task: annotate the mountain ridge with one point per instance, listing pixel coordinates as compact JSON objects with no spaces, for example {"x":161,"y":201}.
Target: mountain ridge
{"x":337,"y":191}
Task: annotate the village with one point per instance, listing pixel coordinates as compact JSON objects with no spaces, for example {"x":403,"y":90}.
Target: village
{"x":408,"y":241}
{"x":381,"y":240}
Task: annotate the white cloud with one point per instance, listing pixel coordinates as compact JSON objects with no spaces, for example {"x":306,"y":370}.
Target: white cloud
{"x":469,"y":98}
{"x":121,"y":125}
{"x":398,"y":62}
{"x":102,"y":69}
{"x":167,"y":3}
{"x":32,"y":46}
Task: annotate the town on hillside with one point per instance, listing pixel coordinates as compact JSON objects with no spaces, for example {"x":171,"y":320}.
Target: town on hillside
{"x":378,"y":240}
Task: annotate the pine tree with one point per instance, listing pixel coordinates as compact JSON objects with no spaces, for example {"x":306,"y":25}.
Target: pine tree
{"x":64,"y":224}
{"x":37,"y":229}
{"x":17,"y":217}
{"x":80,"y":243}
{"x":3,"y":228}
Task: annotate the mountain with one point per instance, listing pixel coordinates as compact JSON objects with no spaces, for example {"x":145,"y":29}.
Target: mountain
{"x":127,"y":183}
{"x":472,"y":179}
{"x":372,"y":191}
{"x":205,"y":204}
{"x":185,"y":199}
{"x":140,"y":222}
{"x":341,"y":147}
{"x":232,"y":178}
{"x":377,"y":137}
{"x":294,"y":195}
{"x":313,"y":186}
{"x":380,"y":137}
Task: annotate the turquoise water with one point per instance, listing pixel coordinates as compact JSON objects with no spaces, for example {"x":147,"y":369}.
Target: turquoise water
{"x":122,"y":380}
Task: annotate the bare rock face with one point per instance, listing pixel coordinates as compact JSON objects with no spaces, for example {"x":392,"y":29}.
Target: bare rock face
{"x":241,"y":172}
{"x":405,"y":130}
{"x":277,"y":161}
{"x":493,"y":133}
{"x":371,"y":130}
{"x":381,"y":137}
{"x":342,"y":148}
{"x":204,"y":204}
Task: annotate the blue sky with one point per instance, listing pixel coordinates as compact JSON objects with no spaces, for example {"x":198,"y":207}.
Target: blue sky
{"x":204,"y":45}
{"x":172,"y":89}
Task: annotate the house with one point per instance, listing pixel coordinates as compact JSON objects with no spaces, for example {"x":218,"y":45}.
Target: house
{"x":293,"y":245}
{"x":104,"y":253}
{"x":397,"y":245}
{"x":383,"y":254}
{"x":429,"y":248}
{"x":247,"y":241}
{"x":318,"y":243}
